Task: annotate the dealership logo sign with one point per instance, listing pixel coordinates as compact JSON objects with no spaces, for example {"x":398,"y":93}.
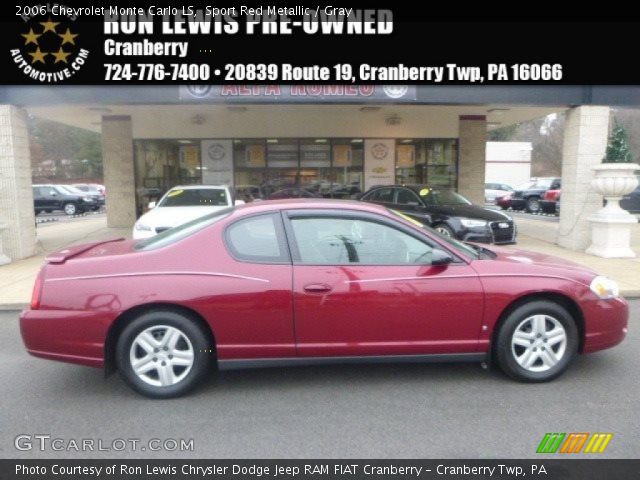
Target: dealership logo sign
{"x":199,"y":91}
{"x":216,"y":151}
{"x":395,"y":91}
{"x":574,"y":442}
{"x":48,"y":48}
{"x":379,"y":151}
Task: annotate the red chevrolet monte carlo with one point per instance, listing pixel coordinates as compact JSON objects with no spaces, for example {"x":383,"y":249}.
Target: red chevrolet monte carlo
{"x":312,"y":281}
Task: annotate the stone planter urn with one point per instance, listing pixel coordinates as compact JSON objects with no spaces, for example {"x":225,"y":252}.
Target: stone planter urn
{"x":3,"y":258}
{"x":611,"y":225}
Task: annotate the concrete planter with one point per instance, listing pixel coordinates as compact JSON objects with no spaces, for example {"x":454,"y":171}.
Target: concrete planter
{"x":611,"y":225}
{"x":3,"y":258}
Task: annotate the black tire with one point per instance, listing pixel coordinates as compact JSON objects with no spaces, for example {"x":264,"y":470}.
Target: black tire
{"x":504,"y":353}
{"x":445,"y":229}
{"x":533,"y":205}
{"x":70,"y":209}
{"x":203,"y":356}
{"x":503,"y":207}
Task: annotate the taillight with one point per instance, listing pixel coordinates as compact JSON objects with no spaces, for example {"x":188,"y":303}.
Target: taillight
{"x":37,"y":291}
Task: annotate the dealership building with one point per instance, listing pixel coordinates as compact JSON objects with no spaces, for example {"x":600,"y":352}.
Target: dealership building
{"x":332,"y":140}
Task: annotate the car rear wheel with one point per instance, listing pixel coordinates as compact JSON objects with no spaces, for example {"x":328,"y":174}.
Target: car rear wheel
{"x":533,"y":204}
{"x":163,"y":354}
{"x":445,"y":230}
{"x":537,"y":342}
{"x":70,"y":209}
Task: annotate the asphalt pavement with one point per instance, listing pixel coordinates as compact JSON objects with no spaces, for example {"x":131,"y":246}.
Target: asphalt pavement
{"x":381,"y":411}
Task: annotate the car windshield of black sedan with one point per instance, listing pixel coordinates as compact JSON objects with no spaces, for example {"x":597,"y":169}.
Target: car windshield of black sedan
{"x":456,"y":244}
{"x":176,"y":234}
{"x":444,"y":197}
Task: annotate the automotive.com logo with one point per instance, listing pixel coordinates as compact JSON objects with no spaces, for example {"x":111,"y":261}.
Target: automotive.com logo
{"x":574,"y":442}
{"x":47,"y":49}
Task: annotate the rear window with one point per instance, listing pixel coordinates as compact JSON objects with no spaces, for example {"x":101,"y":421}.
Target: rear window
{"x":185,"y":230}
{"x":195,"y":197}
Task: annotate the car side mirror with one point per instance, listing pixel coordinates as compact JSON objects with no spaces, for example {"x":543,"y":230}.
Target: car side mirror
{"x":440,"y":257}
{"x":152,"y":205}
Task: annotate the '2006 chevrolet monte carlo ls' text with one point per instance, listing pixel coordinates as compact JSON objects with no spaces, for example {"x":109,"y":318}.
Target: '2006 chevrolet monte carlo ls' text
{"x":300,"y":282}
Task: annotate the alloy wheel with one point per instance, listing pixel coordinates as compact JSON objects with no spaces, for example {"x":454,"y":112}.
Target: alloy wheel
{"x":443,"y":231}
{"x":538,"y":343}
{"x":161,"y":355}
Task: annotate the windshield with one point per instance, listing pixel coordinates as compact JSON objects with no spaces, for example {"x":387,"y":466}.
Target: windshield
{"x":544,"y":183}
{"x":457,"y":245}
{"x":176,"y":234}
{"x":442,"y":197}
{"x":525,"y":185}
{"x":195,"y":197}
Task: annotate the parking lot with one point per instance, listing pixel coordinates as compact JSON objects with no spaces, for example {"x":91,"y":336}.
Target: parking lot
{"x":388,"y":411}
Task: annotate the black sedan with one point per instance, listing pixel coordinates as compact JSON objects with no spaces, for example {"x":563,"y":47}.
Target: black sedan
{"x":446,"y":211}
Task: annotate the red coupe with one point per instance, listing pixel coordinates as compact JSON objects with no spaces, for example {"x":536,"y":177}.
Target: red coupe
{"x":300,"y":282}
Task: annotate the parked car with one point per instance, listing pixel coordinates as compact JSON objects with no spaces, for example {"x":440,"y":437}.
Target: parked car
{"x":550,"y":202}
{"x":50,"y":198}
{"x":292,"y":192}
{"x":631,"y":202}
{"x":492,"y":191}
{"x":303,"y":282}
{"x":447,"y":212}
{"x":92,"y":190}
{"x":528,"y":198}
{"x":180,"y":205}
{"x":504,"y":202}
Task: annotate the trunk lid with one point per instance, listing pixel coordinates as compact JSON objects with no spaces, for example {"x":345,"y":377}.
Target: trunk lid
{"x":115,"y":246}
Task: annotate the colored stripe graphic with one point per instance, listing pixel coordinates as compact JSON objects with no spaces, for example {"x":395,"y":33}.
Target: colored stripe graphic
{"x":598,"y":442}
{"x":574,"y":442}
{"x":550,"y":443}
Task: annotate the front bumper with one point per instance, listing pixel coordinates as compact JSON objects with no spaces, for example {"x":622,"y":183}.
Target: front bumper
{"x":65,"y":335}
{"x":518,"y":203}
{"x":606,"y":323}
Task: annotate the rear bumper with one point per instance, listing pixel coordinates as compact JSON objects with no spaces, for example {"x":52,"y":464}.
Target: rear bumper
{"x":548,"y":206}
{"x":606,"y":323}
{"x":65,"y":335}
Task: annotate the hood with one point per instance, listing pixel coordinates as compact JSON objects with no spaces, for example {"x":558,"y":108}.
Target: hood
{"x":514,"y":256}
{"x":174,"y":216}
{"x":472,"y":211}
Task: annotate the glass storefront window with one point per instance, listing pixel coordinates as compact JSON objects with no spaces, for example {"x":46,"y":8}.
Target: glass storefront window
{"x":347,"y":167}
{"x":431,"y":161}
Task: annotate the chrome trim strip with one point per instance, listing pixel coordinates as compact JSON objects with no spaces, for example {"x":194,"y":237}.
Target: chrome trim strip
{"x":150,"y":274}
{"x":240,"y":364}
{"x":395,"y":279}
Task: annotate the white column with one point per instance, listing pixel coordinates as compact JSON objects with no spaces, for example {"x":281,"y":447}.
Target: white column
{"x":472,"y":157}
{"x":119,"y":180}
{"x":585,"y":143}
{"x":18,"y":238}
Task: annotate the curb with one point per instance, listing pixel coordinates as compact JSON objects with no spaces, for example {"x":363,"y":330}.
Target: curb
{"x":7,"y":307}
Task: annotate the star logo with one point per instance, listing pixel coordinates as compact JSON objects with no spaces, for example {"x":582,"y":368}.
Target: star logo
{"x":49,"y":26}
{"x":48,"y":50}
{"x":38,"y":56}
{"x":31,"y":37}
{"x":61,"y":56}
{"x":68,"y":37}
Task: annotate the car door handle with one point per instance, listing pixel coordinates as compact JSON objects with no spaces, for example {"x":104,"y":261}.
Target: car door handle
{"x":317,"y":288}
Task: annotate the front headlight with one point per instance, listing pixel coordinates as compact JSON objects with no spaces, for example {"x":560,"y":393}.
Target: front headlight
{"x":604,"y":288}
{"x":141,"y":227}
{"x":470,"y":222}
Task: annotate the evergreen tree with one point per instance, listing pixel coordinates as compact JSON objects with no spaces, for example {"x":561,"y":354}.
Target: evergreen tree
{"x":618,"y":148}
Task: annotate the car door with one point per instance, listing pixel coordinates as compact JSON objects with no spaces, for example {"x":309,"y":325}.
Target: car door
{"x":364,"y":285}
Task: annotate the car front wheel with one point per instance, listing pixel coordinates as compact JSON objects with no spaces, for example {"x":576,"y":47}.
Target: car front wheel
{"x":445,"y":230}
{"x":533,"y":205}
{"x":163,"y":354}
{"x":70,"y":209}
{"x":537,"y":342}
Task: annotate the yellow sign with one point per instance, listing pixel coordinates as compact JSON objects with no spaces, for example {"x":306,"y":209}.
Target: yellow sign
{"x":409,"y":219}
{"x":424,"y":192}
{"x":341,"y":155}
{"x":406,"y":156}
{"x":256,"y":156}
{"x":191,"y":156}
{"x":175,"y":193}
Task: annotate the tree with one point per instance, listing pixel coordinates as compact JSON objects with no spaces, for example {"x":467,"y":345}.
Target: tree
{"x":504,"y":134}
{"x":618,"y":150}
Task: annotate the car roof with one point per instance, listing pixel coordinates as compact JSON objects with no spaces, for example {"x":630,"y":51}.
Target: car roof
{"x":309,"y":203}
{"x":197,"y":187}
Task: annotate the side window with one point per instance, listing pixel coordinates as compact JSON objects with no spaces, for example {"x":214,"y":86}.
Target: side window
{"x":339,"y":241}
{"x":383,"y":195}
{"x":406,"y":197}
{"x":257,"y":239}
